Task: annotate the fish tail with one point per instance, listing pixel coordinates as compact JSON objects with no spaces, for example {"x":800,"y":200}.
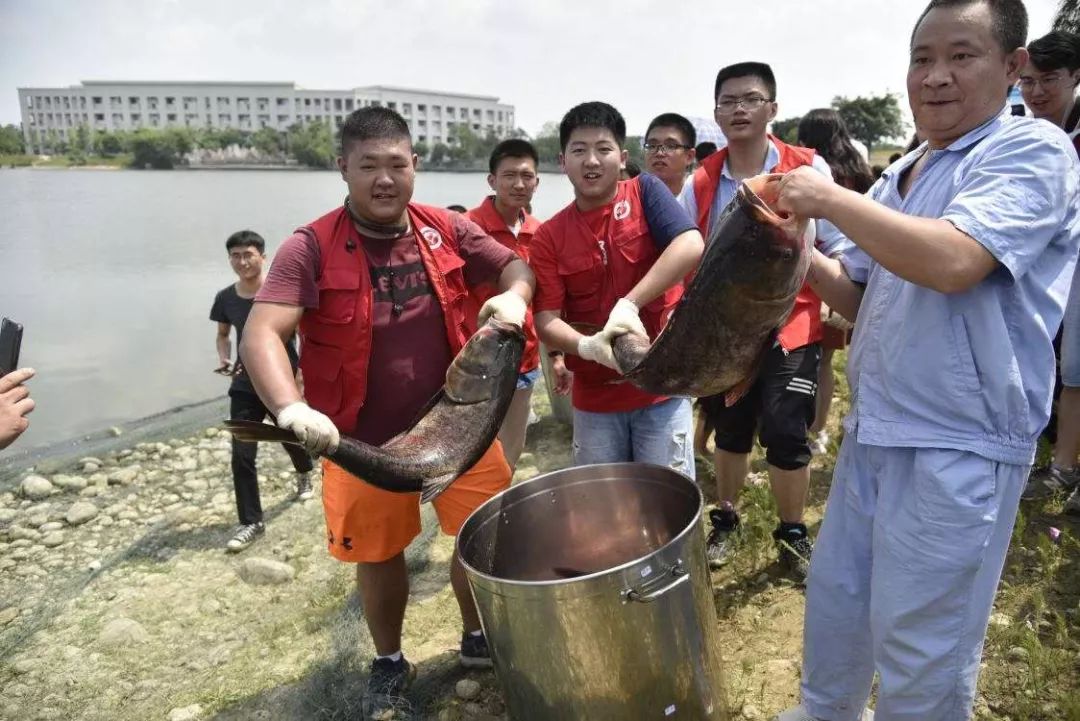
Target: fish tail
{"x":433,"y":487}
{"x":255,"y":431}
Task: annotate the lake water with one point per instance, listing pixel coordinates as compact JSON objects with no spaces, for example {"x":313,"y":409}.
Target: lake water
{"x":112,"y":273}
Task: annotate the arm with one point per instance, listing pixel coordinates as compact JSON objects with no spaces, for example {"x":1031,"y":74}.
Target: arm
{"x":262,"y":349}
{"x":679,"y":258}
{"x":555,"y":333}
{"x":224,"y":344}
{"x":828,"y":278}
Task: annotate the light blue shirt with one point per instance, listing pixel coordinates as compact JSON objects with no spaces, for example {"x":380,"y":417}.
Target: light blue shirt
{"x":829,"y":239}
{"x":971,"y":371}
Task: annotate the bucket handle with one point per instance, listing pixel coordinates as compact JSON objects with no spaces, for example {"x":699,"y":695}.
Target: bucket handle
{"x":648,"y":592}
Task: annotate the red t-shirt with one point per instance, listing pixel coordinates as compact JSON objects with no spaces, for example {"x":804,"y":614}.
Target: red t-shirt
{"x":409,"y":349}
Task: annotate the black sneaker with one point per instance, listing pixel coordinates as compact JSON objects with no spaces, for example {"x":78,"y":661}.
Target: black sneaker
{"x":475,"y":652}
{"x":384,"y":698}
{"x":303,"y":486}
{"x":725,"y":522}
{"x":795,"y":549}
{"x":244,"y":536}
{"x":1045,"y":482}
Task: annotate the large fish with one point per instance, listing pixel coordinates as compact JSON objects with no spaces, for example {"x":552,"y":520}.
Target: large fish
{"x":754,"y":264}
{"x":451,"y":433}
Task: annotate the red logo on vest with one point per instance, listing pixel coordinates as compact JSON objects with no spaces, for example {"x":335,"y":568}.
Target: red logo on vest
{"x":432,"y":236}
{"x":622,"y":210}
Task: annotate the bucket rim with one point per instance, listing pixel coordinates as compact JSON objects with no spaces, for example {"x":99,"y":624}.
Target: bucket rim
{"x":614,"y":570}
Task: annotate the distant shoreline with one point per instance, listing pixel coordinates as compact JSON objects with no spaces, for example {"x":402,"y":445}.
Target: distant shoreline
{"x":544,"y":168}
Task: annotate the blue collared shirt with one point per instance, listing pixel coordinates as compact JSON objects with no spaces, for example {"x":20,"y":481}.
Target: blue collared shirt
{"x":829,"y":239}
{"x":971,"y":371}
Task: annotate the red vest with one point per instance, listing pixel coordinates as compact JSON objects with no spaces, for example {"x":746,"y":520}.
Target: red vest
{"x":803,"y":326}
{"x":335,"y":340}
{"x":487,"y":217}
{"x":597,"y":270}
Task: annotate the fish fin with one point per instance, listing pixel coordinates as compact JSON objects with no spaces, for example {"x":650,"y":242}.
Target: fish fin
{"x":256,"y":431}
{"x":433,"y":487}
{"x":735,"y":394}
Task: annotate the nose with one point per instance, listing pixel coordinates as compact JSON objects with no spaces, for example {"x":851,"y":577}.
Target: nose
{"x":938,"y":76}
{"x":591,"y":159}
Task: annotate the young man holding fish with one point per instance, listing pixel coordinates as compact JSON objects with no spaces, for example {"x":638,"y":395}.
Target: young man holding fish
{"x":965,"y":252}
{"x":503,"y":215}
{"x":379,"y":290}
{"x":613,"y":260}
{"x":778,"y":404}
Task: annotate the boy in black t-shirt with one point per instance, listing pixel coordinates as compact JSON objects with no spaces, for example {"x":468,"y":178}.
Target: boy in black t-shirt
{"x":247,"y":253}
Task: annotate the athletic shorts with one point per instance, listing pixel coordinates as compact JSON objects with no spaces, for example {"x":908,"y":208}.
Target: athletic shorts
{"x":365,"y":524}
{"x":779,"y":407}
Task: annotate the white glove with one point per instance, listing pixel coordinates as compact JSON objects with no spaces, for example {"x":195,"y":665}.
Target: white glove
{"x":508,"y":307}
{"x":315,"y":430}
{"x":597,"y":348}
{"x":624,"y":319}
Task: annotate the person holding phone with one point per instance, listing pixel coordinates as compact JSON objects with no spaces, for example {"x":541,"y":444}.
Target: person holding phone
{"x":15,"y":405}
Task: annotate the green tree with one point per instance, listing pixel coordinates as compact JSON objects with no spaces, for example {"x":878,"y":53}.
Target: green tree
{"x":787,"y":129}
{"x":634,"y":151}
{"x":547,"y":143}
{"x":1068,"y":16}
{"x":421,"y":149}
{"x":153,"y":149}
{"x":464,"y":143}
{"x":109,"y":144}
{"x":268,"y":141}
{"x":872,"y":118}
{"x":439,"y":153}
{"x":483,"y":151}
{"x":312,"y":145}
{"x":11,"y":140}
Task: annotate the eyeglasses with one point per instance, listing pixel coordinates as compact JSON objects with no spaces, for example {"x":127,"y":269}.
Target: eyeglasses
{"x":750,"y":102}
{"x":1046,"y":81}
{"x":669,"y":148}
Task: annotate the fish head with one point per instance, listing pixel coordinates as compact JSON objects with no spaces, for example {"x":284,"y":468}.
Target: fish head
{"x":776,"y":255}
{"x":480,"y":368}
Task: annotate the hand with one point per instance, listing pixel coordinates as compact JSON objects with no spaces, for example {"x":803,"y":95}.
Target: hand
{"x":624,"y":319}
{"x":225,"y":369}
{"x":564,"y":377}
{"x":315,"y":430}
{"x":806,"y":192}
{"x":597,"y":348}
{"x":508,"y":307}
{"x":15,"y":405}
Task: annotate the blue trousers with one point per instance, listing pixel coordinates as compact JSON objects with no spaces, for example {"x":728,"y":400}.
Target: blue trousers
{"x":902,"y":581}
{"x":662,"y":434}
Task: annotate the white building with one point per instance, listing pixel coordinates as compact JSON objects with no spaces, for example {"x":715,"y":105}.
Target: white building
{"x":130,"y":105}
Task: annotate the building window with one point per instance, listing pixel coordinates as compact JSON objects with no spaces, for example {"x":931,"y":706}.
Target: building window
{"x":169,"y":102}
{"x":133,"y":101}
{"x":136,"y":118}
{"x":282,"y":102}
{"x":99,"y":117}
{"x":222,"y":101}
{"x":171,"y":117}
{"x":155,"y":119}
{"x":421,"y":108}
{"x":307,"y":102}
{"x":349,"y":104}
{"x":392,"y":106}
{"x":406,"y":108}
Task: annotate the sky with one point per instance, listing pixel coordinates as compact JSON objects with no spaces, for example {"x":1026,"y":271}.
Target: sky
{"x":643,"y":56}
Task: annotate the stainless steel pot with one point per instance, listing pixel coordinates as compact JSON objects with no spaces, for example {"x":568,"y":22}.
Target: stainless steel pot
{"x":595,"y":596}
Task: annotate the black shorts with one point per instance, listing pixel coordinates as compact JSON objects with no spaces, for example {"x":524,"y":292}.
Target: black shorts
{"x":780,"y":407}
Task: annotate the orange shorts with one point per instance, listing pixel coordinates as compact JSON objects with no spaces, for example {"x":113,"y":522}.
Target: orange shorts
{"x":365,"y":524}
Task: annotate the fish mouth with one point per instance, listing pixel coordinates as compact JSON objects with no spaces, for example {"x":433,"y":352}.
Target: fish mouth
{"x":760,"y":194}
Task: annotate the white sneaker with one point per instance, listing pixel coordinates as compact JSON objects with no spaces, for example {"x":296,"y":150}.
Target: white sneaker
{"x":798,"y":713}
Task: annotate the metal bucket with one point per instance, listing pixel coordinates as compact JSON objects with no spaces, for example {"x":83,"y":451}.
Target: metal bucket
{"x":595,"y":597}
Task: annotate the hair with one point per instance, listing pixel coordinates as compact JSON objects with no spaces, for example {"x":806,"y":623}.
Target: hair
{"x":374,"y":123}
{"x":916,"y":141}
{"x":824,"y":131}
{"x":1055,"y":50}
{"x":704,"y":150}
{"x":877,"y":171}
{"x":245,"y":238}
{"x":457,"y":208}
{"x":761,"y":71}
{"x":512,"y":148}
{"x":1010,"y":20}
{"x":894,"y":157}
{"x":674,"y":120}
{"x":593,"y":114}
{"x":632,"y":169}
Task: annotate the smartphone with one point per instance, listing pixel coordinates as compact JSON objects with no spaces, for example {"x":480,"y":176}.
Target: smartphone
{"x":10,"y":344}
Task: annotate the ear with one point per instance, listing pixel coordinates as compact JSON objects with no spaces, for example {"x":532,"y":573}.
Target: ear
{"x":342,"y":166}
{"x":415,"y":161}
{"x":491,"y":181}
{"x":623,"y":157}
{"x":1015,"y":62}
{"x":562,"y":162}
{"x":773,"y":110}
{"x":691,"y":155}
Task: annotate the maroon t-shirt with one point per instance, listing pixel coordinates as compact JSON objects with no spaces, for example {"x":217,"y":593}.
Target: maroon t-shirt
{"x":410,"y":352}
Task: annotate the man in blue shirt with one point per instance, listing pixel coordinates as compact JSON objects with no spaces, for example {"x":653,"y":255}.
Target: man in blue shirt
{"x":965,"y":251}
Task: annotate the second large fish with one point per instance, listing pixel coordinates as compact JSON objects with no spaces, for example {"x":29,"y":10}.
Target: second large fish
{"x":754,"y":264}
{"x":452,"y":433}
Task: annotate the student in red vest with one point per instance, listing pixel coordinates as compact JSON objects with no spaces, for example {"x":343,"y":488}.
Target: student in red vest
{"x":378,"y":289}
{"x":513,"y":179}
{"x":613,"y":259}
{"x":782,"y":399}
